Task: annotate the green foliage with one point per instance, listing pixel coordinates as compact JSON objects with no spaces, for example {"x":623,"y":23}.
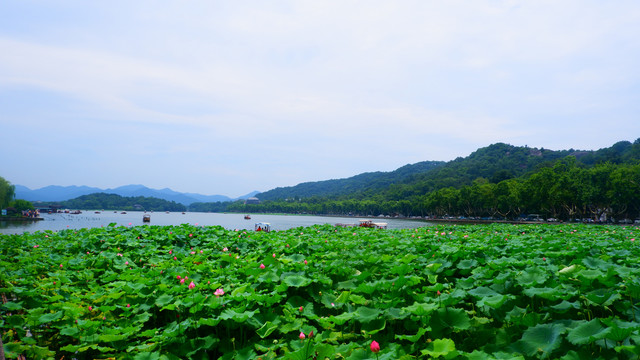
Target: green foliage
{"x":499,"y":181}
{"x":450,"y":292}
{"x":7,"y":192}
{"x":117,"y":202}
{"x":21,"y":205}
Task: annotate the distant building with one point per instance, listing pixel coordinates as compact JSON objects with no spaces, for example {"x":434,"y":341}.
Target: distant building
{"x":252,"y":200}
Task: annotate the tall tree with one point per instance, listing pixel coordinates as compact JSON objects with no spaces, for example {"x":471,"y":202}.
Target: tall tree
{"x":7,"y":192}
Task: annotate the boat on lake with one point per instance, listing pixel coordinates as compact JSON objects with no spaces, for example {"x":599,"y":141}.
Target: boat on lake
{"x":263,"y":226}
{"x":146,"y":218}
{"x":370,"y":224}
{"x":247,"y":217}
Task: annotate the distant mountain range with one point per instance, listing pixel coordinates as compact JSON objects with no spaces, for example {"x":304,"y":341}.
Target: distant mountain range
{"x":62,"y":193}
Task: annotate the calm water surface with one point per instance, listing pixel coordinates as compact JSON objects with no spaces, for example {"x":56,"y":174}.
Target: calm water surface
{"x":89,"y":219}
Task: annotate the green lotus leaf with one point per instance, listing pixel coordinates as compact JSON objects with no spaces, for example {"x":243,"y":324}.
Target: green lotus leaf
{"x":357,"y":299}
{"x":450,"y":318}
{"x":239,"y":317}
{"x":413,"y":338}
{"x":482,"y":291}
{"x":542,"y":339}
{"x":495,"y":301}
{"x":164,"y":300}
{"x":266,"y":329}
{"x":467,"y":264}
{"x":50,"y":317}
{"x":564,"y":306}
{"x":587,"y":332}
{"x":602,"y":296}
{"x":365,"y":314}
{"x":568,"y":270}
{"x":342,"y":318}
{"x":440,"y":347}
{"x":12,"y":306}
{"x":421,"y":309}
{"x":71,"y":331}
{"x":544,"y":292}
{"x":297,"y":281}
{"x":533,"y":276}
{"x":147,"y":356}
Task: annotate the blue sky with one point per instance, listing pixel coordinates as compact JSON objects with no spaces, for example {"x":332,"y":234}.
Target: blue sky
{"x":227,"y":97}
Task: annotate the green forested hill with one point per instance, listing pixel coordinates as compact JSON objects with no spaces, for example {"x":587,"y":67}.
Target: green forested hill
{"x":354,"y":186}
{"x":117,"y":202}
{"x":497,"y":181}
{"x":493,"y":163}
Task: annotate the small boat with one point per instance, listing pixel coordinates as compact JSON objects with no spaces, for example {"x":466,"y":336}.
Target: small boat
{"x":75,"y":212}
{"x":371,"y":224}
{"x":124,"y":212}
{"x":247,"y":217}
{"x":262,"y":226}
{"x":146,"y":218}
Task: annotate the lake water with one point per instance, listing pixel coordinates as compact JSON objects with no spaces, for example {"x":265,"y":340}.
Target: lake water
{"x":89,"y":219}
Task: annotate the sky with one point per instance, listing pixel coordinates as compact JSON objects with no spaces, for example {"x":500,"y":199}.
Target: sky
{"x":228,"y":97}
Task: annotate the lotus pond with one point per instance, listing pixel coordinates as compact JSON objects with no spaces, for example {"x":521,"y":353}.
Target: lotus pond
{"x":448,"y":291}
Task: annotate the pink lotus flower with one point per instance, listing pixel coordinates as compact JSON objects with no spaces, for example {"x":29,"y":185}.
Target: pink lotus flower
{"x":332,"y":304}
{"x":261,"y":266}
{"x":274,"y":256}
{"x":305,"y":262}
{"x":60,"y":266}
{"x":300,"y":309}
{"x":192,"y":285}
{"x":90,"y":308}
{"x":375,"y":347}
{"x":175,"y":258}
{"x":219,"y":292}
{"x":301,"y":336}
{"x":170,"y":252}
{"x":178,"y":277}
{"x":181,"y":281}
{"x":128,"y":305}
{"x":126,"y":263}
{"x":311,"y":334}
{"x":225,"y":249}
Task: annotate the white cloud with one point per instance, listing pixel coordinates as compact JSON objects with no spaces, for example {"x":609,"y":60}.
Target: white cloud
{"x":422,"y":80}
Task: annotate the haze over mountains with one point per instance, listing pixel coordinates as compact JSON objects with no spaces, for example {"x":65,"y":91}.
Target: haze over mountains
{"x":62,"y":193}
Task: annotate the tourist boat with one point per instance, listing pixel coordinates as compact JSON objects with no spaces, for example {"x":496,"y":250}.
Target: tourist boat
{"x":247,"y":217}
{"x":263,"y":226}
{"x":146,"y":218}
{"x":370,"y":224}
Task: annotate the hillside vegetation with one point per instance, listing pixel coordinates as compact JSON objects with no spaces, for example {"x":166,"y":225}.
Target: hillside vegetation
{"x":498,"y":181}
{"x":117,"y":202}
